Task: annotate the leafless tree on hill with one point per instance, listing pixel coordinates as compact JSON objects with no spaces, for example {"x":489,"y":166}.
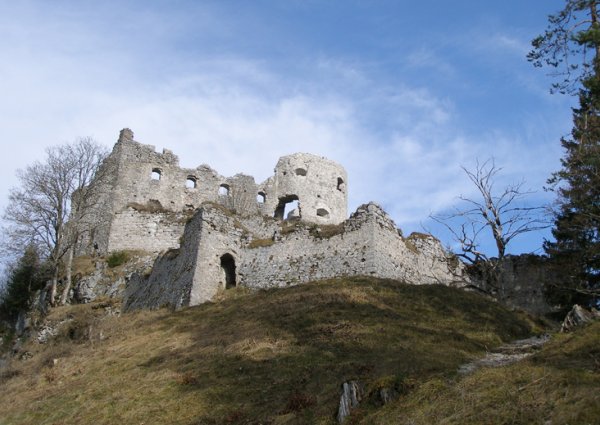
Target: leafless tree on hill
{"x":498,"y":211}
{"x":49,"y":206}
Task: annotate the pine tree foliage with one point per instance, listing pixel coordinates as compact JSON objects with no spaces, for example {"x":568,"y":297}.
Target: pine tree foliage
{"x":571,"y":45}
{"x":24,"y":278}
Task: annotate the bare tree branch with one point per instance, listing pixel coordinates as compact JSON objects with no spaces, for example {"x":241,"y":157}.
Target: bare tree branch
{"x":46,"y":209}
{"x":496,"y":211}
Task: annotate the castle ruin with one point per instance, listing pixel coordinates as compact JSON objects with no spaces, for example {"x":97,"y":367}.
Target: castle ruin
{"x":147,"y":196}
{"x":215,"y":232}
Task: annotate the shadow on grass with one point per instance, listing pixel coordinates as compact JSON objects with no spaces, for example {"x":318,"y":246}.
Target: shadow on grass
{"x":253,"y":354}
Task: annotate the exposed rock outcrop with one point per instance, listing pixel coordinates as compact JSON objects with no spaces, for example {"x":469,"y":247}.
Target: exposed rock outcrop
{"x":352,"y":394}
{"x":578,"y":316}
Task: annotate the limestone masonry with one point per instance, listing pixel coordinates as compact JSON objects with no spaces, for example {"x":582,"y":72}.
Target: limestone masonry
{"x":147,"y":197}
{"x":216,"y":232}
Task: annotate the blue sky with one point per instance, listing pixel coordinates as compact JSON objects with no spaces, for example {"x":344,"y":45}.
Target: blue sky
{"x":401,"y":93}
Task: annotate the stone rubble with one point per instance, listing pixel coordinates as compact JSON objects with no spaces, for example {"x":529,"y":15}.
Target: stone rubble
{"x":507,"y":354}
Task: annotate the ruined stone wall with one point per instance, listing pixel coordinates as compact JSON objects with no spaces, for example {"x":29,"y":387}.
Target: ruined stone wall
{"x":98,"y":216}
{"x":145,"y":175}
{"x":141,"y":179}
{"x":176,"y":266}
{"x":519,"y":282}
{"x":366,"y":244}
{"x":317,"y":183}
{"x":148,"y":231}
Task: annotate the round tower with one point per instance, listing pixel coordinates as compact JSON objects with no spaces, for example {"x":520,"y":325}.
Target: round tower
{"x":318,"y":184}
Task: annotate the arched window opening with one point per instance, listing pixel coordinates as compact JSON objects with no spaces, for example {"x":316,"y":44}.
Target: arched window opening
{"x":261,"y":197}
{"x":156,"y":174}
{"x":228,"y":269}
{"x":322,"y":212}
{"x":224,"y":190}
{"x":341,"y":186}
{"x":300,"y":171}
{"x":288,"y":208}
{"x":191,"y":182}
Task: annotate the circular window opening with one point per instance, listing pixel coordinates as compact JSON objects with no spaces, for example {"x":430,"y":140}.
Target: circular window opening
{"x":191,"y":182}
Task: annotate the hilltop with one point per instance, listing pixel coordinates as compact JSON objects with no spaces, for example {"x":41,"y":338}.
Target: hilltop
{"x":277,"y":356}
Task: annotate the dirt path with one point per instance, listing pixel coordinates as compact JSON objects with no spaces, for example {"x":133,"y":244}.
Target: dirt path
{"x":506,"y":354}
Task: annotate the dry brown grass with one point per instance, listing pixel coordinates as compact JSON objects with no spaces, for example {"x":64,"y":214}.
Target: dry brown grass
{"x":326,"y":231}
{"x":559,"y":385}
{"x":84,"y":265}
{"x":258,"y":243}
{"x":277,"y":356}
{"x":152,"y":206}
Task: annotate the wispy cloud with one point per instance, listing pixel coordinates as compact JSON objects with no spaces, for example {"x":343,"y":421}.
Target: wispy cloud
{"x":180,"y":81}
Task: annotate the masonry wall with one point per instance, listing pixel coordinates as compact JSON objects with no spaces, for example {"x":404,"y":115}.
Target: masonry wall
{"x":144,"y":175}
{"x":318,"y":183}
{"x":170,"y":283}
{"x":366,"y":244}
{"x":520,"y":282}
{"x":138,"y":178}
{"x":369,"y":245}
{"x":148,"y":231}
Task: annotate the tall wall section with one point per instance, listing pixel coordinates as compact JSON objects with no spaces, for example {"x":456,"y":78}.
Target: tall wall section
{"x":318,"y":184}
{"x":146,"y":196}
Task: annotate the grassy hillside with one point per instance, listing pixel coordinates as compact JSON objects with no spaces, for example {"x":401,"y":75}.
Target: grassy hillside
{"x":559,"y":385}
{"x":270,"y":357}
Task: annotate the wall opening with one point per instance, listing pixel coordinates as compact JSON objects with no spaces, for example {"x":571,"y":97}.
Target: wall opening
{"x":156,"y":174}
{"x":224,"y":190}
{"x":300,"y":171}
{"x":191,"y":182}
{"x":261,"y":197}
{"x":228,"y":268}
{"x":341,"y":186}
{"x":288,"y":207}
{"x":322,"y":212}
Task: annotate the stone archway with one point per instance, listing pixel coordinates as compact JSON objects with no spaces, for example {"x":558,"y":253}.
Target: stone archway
{"x":228,"y":268}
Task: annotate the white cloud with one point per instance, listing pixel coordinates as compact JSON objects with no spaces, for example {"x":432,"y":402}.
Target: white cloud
{"x":400,"y":143}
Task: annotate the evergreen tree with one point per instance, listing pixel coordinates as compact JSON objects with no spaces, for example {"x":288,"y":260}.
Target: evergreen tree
{"x":24,"y":279}
{"x":571,"y":45}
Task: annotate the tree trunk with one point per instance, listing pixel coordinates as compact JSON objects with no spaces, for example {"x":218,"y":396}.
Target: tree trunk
{"x":69,"y":267}
{"x":53,"y":287}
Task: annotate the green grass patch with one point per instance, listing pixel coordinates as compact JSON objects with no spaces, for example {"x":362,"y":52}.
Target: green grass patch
{"x":117,"y":258}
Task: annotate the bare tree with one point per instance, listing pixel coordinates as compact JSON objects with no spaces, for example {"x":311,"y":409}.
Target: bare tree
{"x":86,"y":158}
{"x":43,"y":209}
{"x":499,"y":211}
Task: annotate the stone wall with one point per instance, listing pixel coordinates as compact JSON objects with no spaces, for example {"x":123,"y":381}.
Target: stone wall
{"x":148,"y":231}
{"x":518,"y":282}
{"x":284,"y":253}
{"x":176,"y":266}
{"x":135,"y":174}
{"x":317,"y":183}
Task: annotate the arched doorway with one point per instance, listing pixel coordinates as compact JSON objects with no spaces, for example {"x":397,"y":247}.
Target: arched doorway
{"x":228,"y":267}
